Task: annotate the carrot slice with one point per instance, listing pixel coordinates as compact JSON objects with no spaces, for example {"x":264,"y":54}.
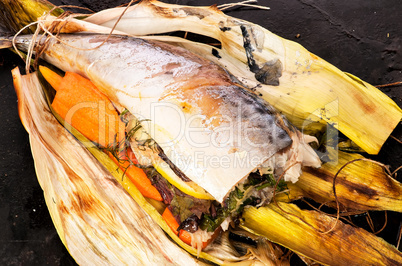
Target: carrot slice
{"x":184,"y":235}
{"x":82,"y":106}
{"x":85,"y":108}
{"x":135,"y":174}
{"x":171,"y":221}
{"x":51,"y":77}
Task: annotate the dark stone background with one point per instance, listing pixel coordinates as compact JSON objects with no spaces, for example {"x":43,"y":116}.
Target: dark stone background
{"x":361,"y":37}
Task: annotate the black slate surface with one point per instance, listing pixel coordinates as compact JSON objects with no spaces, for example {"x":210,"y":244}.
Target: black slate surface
{"x":360,"y":37}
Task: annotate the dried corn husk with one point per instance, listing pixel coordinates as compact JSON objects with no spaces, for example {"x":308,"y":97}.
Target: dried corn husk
{"x":361,"y":185}
{"x":309,"y":233}
{"x":82,"y":221}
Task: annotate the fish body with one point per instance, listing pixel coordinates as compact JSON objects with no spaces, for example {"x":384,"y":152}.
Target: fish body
{"x":213,"y":130}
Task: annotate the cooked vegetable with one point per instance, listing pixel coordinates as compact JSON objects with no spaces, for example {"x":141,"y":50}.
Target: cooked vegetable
{"x":171,"y":221}
{"x":174,"y":225}
{"x":83,"y":107}
{"x":313,"y":235}
{"x":125,"y":159}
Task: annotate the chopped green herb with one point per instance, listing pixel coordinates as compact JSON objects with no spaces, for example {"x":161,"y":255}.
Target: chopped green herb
{"x":239,"y":198}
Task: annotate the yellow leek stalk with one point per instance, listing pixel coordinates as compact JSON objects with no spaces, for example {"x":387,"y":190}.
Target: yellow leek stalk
{"x":318,"y":236}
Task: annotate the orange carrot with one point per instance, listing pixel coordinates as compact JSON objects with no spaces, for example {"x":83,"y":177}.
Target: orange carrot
{"x":184,"y":235}
{"x":80,"y":103}
{"x":135,"y":174}
{"x":171,"y":221}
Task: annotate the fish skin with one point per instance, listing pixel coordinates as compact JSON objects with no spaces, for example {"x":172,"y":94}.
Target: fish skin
{"x":194,"y":111}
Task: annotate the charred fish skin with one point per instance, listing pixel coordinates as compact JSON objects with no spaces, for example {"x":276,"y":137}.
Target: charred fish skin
{"x":194,"y":111}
